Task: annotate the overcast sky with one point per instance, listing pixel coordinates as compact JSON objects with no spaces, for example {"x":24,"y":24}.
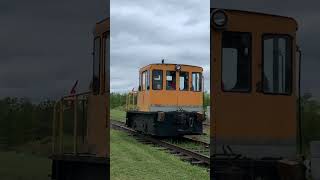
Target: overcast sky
{"x":307,"y":14}
{"x":146,"y":31}
{"x":45,"y":45}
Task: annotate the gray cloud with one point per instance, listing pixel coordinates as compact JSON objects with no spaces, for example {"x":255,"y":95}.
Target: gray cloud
{"x":46,"y":45}
{"x":306,"y":13}
{"x":144,"y":32}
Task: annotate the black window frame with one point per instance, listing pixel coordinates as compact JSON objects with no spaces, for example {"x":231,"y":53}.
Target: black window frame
{"x":106,"y":38}
{"x":153,"y":87}
{"x":140,"y":81}
{"x":148,"y":80}
{"x":188,"y":84}
{"x":250,"y":65}
{"x":96,"y":82}
{"x":201,"y":81}
{"x":146,"y":87}
{"x":291,"y":40}
{"x":175,"y":88}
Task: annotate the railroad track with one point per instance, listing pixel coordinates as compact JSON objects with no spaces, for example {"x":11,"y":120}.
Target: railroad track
{"x":197,"y":145}
{"x":192,"y":139}
{"x":191,"y":155}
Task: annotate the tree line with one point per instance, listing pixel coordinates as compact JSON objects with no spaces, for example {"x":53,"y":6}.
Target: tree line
{"x":22,"y":121}
{"x":118,"y":100}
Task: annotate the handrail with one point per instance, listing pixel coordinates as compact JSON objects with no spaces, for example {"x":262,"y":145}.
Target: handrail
{"x":79,"y":94}
{"x":58,"y":121}
{"x":131,"y":99}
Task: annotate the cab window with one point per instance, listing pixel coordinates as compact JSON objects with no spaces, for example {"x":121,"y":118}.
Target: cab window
{"x":196,"y":81}
{"x":148,"y":80}
{"x":184,"y":81}
{"x":145,"y":83}
{"x":107,"y":59}
{"x":157,"y":79}
{"x":171,"y":80}
{"x":236,"y":61}
{"x":277,"y":64}
{"x":96,"y":65}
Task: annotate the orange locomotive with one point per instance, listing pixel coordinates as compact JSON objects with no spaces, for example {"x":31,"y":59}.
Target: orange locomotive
{"x":255,"y":130}
{"x":90,"y":153}
{"x":169,"y":100}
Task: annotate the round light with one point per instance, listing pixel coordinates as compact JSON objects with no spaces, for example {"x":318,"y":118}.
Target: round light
{"x":219,"y":18}
{"x":178,"y":67}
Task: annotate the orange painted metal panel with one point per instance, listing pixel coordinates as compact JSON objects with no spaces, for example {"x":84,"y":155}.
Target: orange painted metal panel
{"x":169,"y":98}
{"x":252,"y":118}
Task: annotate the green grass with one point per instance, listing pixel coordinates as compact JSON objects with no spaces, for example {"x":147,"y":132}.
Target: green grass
{"x":29,"y":161}
{"x":117,"y":114}
{"x":23,"y":166}
{"x":132,"y":160}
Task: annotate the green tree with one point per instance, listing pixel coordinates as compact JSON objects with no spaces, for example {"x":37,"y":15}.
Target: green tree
{"x":310,"y":118}
{"x":118,"y":100}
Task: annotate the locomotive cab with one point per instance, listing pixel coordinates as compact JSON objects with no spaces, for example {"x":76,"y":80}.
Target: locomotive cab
{"x":254,"y":93}
{"x":87,"y":157}
{"x":169,"y":100}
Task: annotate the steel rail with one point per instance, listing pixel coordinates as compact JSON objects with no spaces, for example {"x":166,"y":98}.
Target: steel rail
{"x":194,"y":157}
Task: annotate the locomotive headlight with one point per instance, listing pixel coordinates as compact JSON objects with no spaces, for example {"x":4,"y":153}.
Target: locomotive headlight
{"x":178,"y":67}
{"x":219,"y":18}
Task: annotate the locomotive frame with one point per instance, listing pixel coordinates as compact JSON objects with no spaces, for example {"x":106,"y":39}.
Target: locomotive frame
{"x":167,"y":111}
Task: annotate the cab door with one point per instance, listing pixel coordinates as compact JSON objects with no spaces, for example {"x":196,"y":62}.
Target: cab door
{"x":186,"y":99}
{"x":253,"y":100}
{"x":144,"y":91}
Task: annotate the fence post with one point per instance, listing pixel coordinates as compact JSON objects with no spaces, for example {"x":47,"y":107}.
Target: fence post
{"x":75,"y":128}
{"x":61,"y":127}
{"x":54,"y":128}
{"x":127,"y":102}
{"x":132,"y":100}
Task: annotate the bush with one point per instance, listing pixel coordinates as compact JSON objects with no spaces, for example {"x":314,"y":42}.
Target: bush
{"x":22,"y":121}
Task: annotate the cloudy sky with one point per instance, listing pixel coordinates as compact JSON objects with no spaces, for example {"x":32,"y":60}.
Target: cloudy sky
{"x":146,"y":31}
{"x":307,"y":14}
{"x":45,"y":45}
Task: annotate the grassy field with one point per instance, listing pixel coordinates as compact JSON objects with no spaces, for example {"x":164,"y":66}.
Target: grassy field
{"x":117,"y":114}
{"x":29,"y":161}
{"x":24,"y":166}
{"x":132,"y":160}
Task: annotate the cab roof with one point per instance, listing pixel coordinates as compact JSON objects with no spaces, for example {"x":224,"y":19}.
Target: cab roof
{"x":256,"y":13}
{"x":101,"y":27}
{"x":169,"y":64}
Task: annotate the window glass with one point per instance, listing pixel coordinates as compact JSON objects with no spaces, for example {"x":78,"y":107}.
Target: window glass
{"x":230,"y":76}
{"x":144,"y":80}
{"x":157,"y":79}
{"x":196,"y":81}
{"x":140,"y":82}
{"x":148,"y":79}
{"x":277,"y":68}
{"x":184,"y":81}
{"x":171,"y":80}
{"x":107,"y":59}
{"x":236,"y":61}
{"x":96,"y":71}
